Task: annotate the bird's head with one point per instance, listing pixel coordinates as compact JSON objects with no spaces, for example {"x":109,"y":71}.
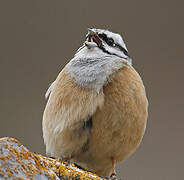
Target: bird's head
{"x":103,"y":43}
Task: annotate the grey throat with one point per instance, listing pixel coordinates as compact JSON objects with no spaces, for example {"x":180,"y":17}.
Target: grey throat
{"x":91,"y":68}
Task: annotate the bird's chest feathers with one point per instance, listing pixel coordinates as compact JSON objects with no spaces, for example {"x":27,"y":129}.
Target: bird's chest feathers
{"x":93,"y":72}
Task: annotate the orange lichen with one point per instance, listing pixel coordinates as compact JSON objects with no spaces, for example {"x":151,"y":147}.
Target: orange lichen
{"x":8,"y":172}
{"x":15,"y":169}
{"x":3,"y":158}
{"x":19,"y":178}
{"x":19,"y":160}
{"x":2,"y":172}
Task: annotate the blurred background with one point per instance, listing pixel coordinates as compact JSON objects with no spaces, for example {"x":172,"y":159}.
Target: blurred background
{"x":38,"y":37}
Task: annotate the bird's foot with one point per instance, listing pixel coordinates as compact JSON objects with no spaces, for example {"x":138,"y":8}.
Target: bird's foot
{"x":113,"y":176}
{"x":51,"y":157}
{"x":105,"y":177}
{"x":66,"y":161}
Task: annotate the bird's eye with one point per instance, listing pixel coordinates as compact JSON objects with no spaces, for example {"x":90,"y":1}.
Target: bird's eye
{"x":103,"y":36}
{"x":109,"y":41}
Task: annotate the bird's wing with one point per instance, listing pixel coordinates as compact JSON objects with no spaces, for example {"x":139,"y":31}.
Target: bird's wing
{"x":67,"y":119}
{"x":49,"y":90}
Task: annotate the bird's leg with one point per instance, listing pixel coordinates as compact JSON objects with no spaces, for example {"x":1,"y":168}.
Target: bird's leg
{"x":62,"y":159}
{"x":113,"y":175}
{"x":113,"y":166}
{"x":65,"y":160}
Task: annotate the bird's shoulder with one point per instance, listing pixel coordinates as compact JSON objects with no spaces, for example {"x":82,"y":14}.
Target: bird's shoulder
{"x":125,"y":81}
{"x":67,"y":96}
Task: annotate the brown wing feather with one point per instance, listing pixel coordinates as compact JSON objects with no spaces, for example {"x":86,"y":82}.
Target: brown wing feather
{"x":66,"y":111}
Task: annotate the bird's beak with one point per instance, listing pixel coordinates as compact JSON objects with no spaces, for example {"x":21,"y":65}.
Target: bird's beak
{"x":91,"y":31}
{"x":92,"y":39}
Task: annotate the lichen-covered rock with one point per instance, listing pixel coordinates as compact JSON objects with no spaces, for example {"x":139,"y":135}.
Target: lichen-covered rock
{"x":17,"y":162}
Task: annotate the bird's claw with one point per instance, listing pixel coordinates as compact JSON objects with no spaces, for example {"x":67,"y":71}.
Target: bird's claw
{"x":113,"y":176}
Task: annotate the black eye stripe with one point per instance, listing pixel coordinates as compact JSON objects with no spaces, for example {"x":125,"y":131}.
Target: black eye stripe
{"x":122,"y":49}
{"x":107,"y":40}
{"x":111,"y":43}
{"x":103,"y":36}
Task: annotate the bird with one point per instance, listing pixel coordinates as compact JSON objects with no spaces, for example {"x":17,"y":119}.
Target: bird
{"x":97,"y":108}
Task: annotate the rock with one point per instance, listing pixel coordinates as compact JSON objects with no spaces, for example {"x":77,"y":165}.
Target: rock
{"x":17,"y":162}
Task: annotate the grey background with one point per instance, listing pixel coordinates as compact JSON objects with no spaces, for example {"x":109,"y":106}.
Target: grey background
{"x":38,"y":37}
